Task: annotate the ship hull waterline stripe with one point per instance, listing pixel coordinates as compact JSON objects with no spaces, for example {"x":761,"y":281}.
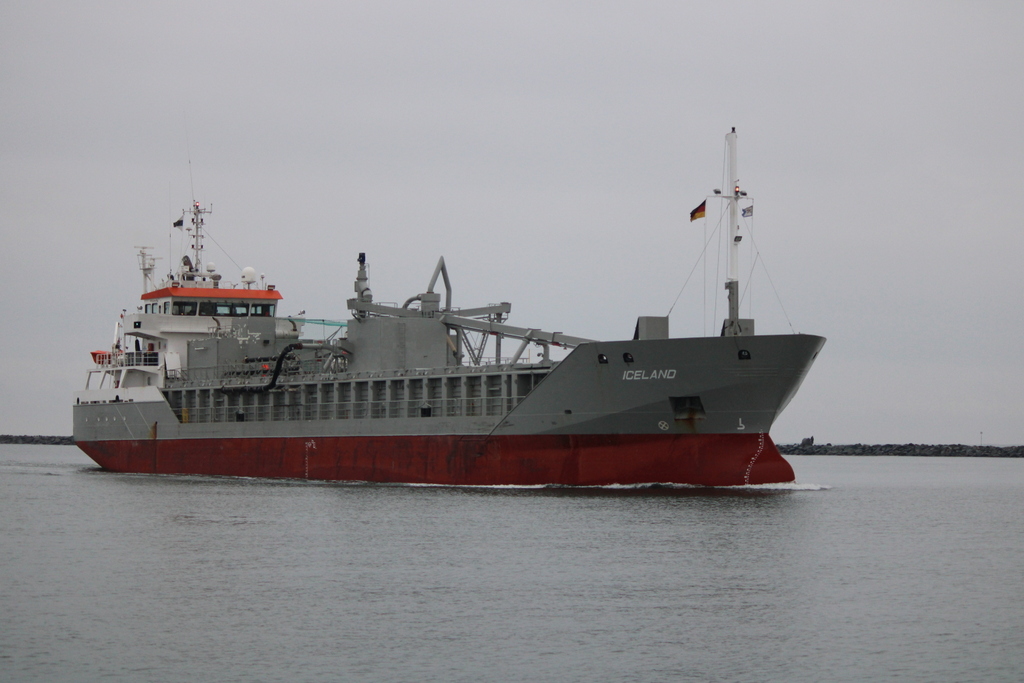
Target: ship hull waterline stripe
{"x":526,"y":460}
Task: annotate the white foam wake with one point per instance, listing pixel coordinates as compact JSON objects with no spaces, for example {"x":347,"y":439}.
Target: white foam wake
{"x":789,"y":486}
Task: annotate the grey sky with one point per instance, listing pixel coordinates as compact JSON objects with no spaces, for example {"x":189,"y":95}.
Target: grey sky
{"x":552,"y":153}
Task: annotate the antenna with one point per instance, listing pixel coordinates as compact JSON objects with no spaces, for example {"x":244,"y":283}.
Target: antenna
{"x":188,"y":153}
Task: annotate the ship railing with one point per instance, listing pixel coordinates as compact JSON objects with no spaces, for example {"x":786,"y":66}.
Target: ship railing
{"x":486,"y":361}
{"x":418,"y":408}
{"x":126,"y":359}
{"x":253,"y":373}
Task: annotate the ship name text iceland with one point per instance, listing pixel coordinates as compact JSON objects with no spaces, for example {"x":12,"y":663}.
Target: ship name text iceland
{"x":653,"y":374}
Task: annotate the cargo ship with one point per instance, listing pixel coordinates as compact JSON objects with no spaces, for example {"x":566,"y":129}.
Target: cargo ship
{"x":207,"y":378}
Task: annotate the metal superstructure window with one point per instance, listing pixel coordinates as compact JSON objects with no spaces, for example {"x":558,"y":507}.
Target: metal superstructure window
{"x":184,"y":308}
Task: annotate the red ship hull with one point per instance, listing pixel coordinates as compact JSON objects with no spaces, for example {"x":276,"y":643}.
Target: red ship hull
{"x":583,"y":460}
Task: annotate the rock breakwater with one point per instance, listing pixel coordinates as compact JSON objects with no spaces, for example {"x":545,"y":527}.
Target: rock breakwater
{"x":40,"y":440}
{"x":909,"y":449}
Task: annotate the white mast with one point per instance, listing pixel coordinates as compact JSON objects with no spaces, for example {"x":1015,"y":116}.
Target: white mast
{"x":733,"y":326}
{"x":147,"y":264}
{"x":196,"y":233}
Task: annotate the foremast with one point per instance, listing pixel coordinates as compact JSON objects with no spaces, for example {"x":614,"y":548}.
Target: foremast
{"x":734,"y":326}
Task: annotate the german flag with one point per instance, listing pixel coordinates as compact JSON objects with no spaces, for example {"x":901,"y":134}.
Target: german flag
{"x":698,"y":212}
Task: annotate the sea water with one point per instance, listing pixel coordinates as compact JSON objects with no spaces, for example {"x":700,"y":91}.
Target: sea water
{"x":870,"y":568}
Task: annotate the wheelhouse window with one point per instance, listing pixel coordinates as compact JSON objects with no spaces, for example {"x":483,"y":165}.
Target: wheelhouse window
{"x":262,"y":310}
{"x":214,"y":308}
{"x":183,"y":308}
{"x":223,"y":308}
